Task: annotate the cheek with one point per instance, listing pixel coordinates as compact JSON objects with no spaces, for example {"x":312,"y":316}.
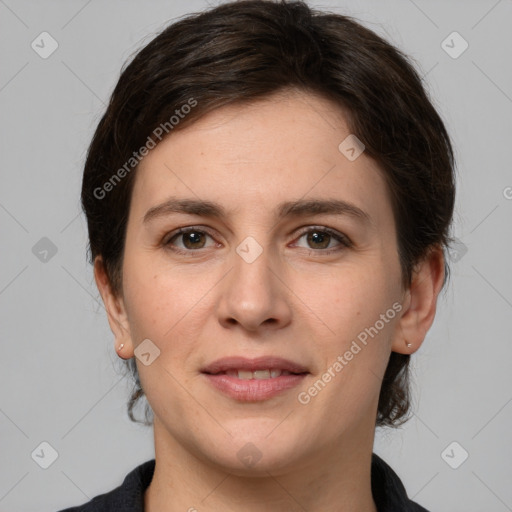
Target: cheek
{"x":161,"y":308}
{"x":155,"y":296}
{"x":351,"y":300}
{"x":358,"y":321}
{"x":149,"y":308}
{"x":166,"y":307}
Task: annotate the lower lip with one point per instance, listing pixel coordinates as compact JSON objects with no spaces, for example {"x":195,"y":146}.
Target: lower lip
{"x":253,"y":390}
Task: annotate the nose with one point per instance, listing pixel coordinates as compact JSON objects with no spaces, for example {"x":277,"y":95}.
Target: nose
{"x":254,"y":295}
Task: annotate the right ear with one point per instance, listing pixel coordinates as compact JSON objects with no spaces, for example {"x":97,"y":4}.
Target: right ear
{"x":116,"y":311}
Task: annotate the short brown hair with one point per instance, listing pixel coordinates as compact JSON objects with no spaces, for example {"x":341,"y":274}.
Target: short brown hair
{"x":243,"y":51}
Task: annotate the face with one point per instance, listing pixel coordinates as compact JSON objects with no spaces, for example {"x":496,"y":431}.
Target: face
{"x":294,"y":256}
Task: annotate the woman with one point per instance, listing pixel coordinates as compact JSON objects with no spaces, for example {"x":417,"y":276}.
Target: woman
{"x":268,"y":196}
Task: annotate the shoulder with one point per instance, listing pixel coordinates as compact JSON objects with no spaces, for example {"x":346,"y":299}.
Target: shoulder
{"x":128,"y":497}
{"x":388,"y":490}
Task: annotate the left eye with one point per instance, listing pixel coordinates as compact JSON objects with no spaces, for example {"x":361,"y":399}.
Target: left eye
{"x":323,"y":239}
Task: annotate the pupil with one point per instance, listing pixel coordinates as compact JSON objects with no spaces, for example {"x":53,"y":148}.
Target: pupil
{"x":192,"y":239}
{"x":319,"y":238}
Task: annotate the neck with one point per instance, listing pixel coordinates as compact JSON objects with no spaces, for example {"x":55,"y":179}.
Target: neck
{"x":330,"y":480}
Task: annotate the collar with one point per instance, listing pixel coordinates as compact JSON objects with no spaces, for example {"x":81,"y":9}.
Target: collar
{"x":387,"y":489}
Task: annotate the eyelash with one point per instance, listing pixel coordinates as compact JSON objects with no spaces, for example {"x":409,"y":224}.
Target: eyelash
{"x":342,"y":239}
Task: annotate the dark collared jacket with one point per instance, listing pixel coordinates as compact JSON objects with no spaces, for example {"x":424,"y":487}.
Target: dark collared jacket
{"x":387,"y":489}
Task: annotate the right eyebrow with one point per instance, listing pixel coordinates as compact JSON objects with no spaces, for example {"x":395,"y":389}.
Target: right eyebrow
{"x":190,"y":206}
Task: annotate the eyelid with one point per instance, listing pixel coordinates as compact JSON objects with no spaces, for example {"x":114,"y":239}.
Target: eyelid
{"x":342,"y":238}
{"x":305,"y":229}
{"x":186,"y":229}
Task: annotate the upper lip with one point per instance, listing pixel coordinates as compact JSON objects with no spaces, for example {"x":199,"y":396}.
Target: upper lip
{"x":258,"y":363}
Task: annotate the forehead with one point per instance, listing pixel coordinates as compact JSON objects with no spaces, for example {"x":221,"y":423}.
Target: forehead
{"x":260,"y":154}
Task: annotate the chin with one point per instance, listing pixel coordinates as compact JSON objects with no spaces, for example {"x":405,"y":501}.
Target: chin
{"x":257,"y":453}
{"x":252,"y":461}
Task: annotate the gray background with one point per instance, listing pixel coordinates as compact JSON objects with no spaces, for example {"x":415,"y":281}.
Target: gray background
{"x":60,"y":378}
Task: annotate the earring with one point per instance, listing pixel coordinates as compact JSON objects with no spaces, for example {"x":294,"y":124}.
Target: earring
{"x":409,"y":345}
{"x":120,"y":347}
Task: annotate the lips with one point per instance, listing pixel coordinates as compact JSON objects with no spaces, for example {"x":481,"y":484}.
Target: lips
{"x":254,"y":380}
{"x":259,"y":368}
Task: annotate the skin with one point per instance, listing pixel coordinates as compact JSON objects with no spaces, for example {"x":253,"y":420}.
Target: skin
{"x":295,"y":301}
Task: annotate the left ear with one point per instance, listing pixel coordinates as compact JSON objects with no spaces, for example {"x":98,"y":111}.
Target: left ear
{"x":420,"y":303}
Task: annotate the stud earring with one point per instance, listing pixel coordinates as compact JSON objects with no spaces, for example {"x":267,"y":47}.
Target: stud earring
{"x":120,"y":347}
{"x":409,"y":345}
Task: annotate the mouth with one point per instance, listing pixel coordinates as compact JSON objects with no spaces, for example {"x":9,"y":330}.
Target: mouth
{"x":241,"y":364}
{"x":270,"y":373}
{"x":254,"y":379}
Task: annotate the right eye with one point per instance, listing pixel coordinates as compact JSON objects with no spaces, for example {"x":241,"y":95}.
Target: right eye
{"x":188,"y":239}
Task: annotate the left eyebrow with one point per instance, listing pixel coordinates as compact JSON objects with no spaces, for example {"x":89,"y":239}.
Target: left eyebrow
{"x":298,"y":208}
{"x":304,"y":207}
